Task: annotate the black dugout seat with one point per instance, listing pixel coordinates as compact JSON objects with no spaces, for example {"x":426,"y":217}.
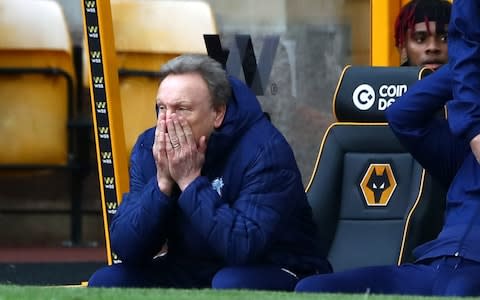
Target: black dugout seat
{"x":373,"y":203}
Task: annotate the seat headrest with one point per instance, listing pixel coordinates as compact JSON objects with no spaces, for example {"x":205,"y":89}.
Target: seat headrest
{"x":162,"y":26}
{"x":33,"y":25}
{"x":363,"y":93}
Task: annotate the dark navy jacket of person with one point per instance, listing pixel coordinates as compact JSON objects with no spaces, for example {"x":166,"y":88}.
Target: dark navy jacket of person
{"x":447,"y":148}
{"x":231,"y":208}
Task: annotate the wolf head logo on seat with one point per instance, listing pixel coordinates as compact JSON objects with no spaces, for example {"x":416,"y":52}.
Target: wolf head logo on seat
{"x":378,"y":184}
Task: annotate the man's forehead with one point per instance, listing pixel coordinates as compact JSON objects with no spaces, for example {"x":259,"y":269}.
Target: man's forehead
{"x":429,"y":27}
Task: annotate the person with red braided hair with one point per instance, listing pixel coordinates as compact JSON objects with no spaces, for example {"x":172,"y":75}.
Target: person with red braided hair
{"x":421,"y":33}
{"x":449,"y":149}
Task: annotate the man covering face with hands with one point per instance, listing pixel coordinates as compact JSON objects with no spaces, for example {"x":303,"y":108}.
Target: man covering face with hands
{"x":217,"y":185}
{"x":187,"y":116}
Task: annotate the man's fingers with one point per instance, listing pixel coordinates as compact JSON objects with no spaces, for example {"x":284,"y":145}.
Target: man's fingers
{"x":159,"y":130}
{"x":168,"y":146}
{"x":155,"y":142}
{"x":161,"y":139}
{"x":179,"y":130}
{"x":172,"y":133}
{"x":187,"y":132}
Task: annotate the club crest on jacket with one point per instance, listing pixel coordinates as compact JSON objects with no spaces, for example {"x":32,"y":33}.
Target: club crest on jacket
{"x":217,"y":185}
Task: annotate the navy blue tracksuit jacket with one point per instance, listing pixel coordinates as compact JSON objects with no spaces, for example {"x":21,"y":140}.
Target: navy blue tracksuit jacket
{"x":450,"y":264}
{"x":248,"y":207}
{"x":442,"y":146}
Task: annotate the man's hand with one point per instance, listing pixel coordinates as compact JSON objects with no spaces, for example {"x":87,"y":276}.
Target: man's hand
{"x":475,"y":145}
{"x":164,"y":179}
{"x":185,"y":158}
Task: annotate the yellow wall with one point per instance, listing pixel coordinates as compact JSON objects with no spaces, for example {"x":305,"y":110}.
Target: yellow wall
{"x":383,"y":14}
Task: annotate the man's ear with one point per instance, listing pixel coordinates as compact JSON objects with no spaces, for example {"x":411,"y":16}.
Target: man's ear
{"x":219,"y":115}
{"x":403,"y":55}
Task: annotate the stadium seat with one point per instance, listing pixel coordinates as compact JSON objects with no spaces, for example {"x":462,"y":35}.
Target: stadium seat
{"x":37,"y":93}
{"x":373,"y":203}
{"x":147,"y":34}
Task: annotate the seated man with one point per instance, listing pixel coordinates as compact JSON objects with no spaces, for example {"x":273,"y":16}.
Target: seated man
{"x":450,"y":150}
{"x":421,"y":33}
{"x":218,"y":184}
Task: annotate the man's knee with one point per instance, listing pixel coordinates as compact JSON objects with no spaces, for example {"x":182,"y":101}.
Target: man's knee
{"x":104,"y":277}
{"x":228,"y":278}
{"x":309,"y":284}
{"x":119,"y":275}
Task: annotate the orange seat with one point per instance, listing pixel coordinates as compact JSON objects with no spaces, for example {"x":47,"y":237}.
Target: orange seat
{"x":147,"y":34}
{"x":36,"y":83}
{"x":37,"y":95}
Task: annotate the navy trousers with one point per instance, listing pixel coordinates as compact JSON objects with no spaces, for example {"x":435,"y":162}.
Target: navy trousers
{"x":446,"y":276}
{"x":161,"y":272}
{"x":167,"y":274}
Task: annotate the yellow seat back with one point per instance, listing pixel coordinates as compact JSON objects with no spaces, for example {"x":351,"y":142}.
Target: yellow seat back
{"x":138,"y":92}
{"x":36,"y":82}
{"x":147,"y":34}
